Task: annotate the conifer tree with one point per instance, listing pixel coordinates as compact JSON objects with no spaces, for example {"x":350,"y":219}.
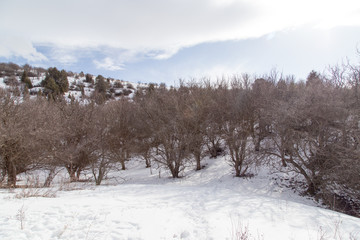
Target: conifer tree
{"x":63,"y":82}
{"x":50,"y":86}
{"x":101,"y":85}
{"x":89,"y":78}
{"x":25,"y":79}
{"x":56,"y":81}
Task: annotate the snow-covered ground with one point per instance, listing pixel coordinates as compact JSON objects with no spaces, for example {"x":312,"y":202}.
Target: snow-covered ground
{"x":141,"y":203}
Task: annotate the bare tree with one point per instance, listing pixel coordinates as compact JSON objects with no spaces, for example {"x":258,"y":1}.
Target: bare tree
{"x":165,"y":113}
{"x":195,"y":117}
{"x":237,"y":126}
{"x":262,"y":99}
{"x":20,"y":125}
{"x":305,"y":130}
{"x":102,"y":161}
{"x":215,"y":114}
{"x":144,"y":142}
{"x":122,"y":127}
{"x":75,"y":146}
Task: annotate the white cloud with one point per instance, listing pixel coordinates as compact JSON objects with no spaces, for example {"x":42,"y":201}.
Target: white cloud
{"x":157,"y":28}
{"x":162,"y":54}
{"x":67,"y":59}
{"x":212,"y":71}
{"x":108,"y":64}
{"x":19,"y":47}
{"x":64,"y":55}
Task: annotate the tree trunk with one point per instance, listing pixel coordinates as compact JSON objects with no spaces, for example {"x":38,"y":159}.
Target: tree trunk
{"x":257,"y":145}
{"x":311,"y":190}
{"x":283,"y":158}
{"x":11,"y":172}
{"x":309,"y":180}
{"x":73,"y":177}
{"x":147,"y":162}
{"x":98,"y":173}
{"x":175,"y":173}
{"x":100,"y":177}
{"x":174,"y":169}
{"x":78,"y":172}
{"x":123,"y":167}
{"x":214,"y":149}
{"x":3,"y":174}
{"x":213,"y":152}
{"x":237,"y":167}
{"x":197,"y":156}
{"x":72,"y":170}
{"x":122,"y":160}
{"x":50,"y":177}
{"x":198,"y":164}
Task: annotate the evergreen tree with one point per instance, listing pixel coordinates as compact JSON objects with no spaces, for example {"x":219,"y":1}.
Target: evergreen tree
{"x":89,"y":78}
{"x":26,"y":80}
{"x":63,"y":82}
{"x":50,"y":86}
{"x":101,"y":84}
{"x":24,"y":76}
{"x":56,"y":82}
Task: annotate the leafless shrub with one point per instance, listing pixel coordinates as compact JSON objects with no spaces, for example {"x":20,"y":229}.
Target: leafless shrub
{"x":240,"y":231}
{"x":36,"y":192}
{"x":21,"y":217}
{"x":33,"y":188}
{"x":336,"y":233}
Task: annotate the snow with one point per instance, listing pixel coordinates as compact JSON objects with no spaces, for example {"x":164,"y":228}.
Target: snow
{"x":2,"y":84}
{"x":36,"y":81}
{"x":142,"y":203}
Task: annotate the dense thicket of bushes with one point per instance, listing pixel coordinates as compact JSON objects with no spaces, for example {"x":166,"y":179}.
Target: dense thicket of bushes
{"x":309,"y":127}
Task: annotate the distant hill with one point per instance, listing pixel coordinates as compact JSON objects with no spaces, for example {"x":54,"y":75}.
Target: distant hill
{"x":81,"y":86}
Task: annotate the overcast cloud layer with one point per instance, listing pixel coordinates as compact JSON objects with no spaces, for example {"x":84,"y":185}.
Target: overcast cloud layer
{"x":128,"y":31}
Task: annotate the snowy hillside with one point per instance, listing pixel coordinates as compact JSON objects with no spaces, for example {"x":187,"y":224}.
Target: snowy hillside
{"x":79,"y":88}
{"x":142,"y":203}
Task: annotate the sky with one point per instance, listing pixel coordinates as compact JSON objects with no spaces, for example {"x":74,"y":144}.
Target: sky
{"x":162,"y":41}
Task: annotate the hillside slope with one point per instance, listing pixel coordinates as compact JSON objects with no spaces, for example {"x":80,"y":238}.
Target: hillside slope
{"x":144,"y":203}
{"x":80,"y":88}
